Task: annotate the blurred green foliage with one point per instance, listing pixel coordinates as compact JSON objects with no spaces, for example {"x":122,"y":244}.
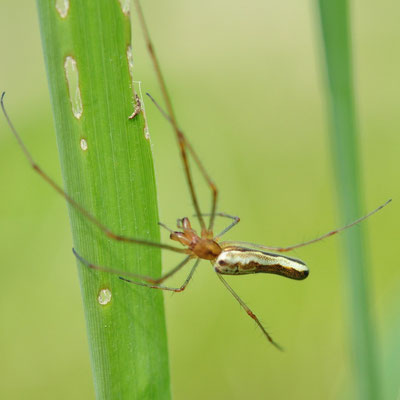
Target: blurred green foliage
{"x":336,"y":32}
{"x":253,"y":74}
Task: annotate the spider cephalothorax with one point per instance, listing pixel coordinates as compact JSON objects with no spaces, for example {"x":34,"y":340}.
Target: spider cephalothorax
{"x":202,"y":247}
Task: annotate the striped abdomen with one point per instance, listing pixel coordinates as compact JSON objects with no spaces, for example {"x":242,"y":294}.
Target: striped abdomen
{"x":240,"y":260}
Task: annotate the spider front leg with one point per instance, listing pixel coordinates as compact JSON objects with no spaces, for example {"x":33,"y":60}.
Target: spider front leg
{"x":184,"y":144}
{"x":72,"y":202}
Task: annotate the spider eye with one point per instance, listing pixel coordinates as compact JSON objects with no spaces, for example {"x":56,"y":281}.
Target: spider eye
{"x":222,"y":263}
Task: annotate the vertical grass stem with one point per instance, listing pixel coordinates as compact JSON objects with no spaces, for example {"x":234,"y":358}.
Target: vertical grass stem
{"x":334,"y":18}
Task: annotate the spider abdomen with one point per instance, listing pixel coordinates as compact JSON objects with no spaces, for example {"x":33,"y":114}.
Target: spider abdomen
{"x":240,"y":261}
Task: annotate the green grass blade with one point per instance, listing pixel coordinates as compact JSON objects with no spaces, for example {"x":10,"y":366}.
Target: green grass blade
{"x":344,"y":141}
{"x":114,"y":180}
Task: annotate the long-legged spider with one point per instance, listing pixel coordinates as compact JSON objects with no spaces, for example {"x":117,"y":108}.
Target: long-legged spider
{"x":227,"y":258}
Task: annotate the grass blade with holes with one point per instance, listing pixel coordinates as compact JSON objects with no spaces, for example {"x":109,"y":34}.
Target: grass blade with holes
{"x":107,"y":168}
{"x":336,"y":34}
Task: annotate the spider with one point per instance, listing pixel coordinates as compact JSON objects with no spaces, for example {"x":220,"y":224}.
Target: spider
{"x":227,"y":257}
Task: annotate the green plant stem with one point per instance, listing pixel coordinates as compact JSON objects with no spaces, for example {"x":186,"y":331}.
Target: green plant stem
{"x":336,"y":36}
{"x":114,"y":180}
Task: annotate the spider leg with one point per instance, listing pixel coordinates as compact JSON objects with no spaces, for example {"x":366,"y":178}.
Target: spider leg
{"x":172,"y":289}
{"x":166,"y":227}
{"x":229,"y":227}
{"x":236,"y":220}
{"x":249,"y":312}
{"x":71,"y":201}
{"x":203,"y":171}
{"x":183,"y":143}
{"x":296,"y":246}
{"x":148,"y":279}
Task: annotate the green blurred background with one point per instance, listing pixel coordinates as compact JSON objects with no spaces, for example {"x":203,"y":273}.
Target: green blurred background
{"x":248,"y":85}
